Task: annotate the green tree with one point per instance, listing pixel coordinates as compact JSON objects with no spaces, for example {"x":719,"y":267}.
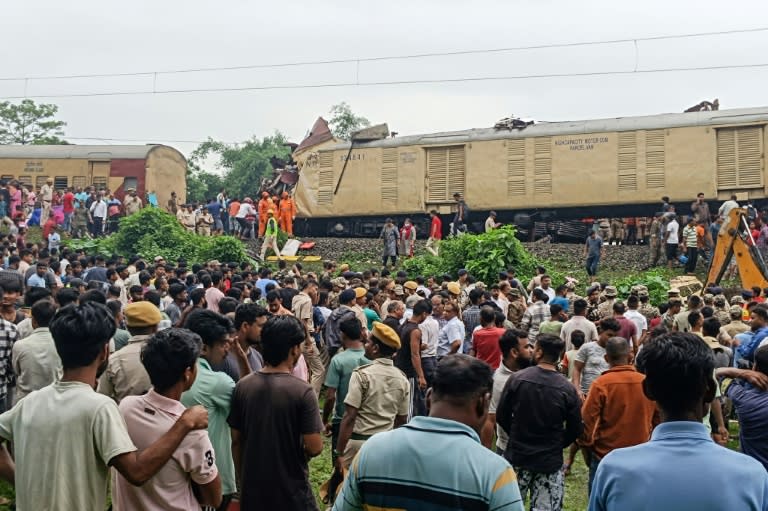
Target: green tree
{"x":30,"y":123}
{"x":202,"y":185}
{"x":344,"y":122}
{"x":244,"y":164}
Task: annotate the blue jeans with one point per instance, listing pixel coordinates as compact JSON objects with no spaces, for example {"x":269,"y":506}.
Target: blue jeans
{"x":592,"y":262}
{"x":68,"y":221}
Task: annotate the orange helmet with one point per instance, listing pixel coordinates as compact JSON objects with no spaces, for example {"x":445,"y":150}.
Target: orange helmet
{"x":285,"y":195}
{"x":264,"y":194}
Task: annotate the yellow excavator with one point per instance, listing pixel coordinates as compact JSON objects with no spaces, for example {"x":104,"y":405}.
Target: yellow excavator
{"x":735,"y":241}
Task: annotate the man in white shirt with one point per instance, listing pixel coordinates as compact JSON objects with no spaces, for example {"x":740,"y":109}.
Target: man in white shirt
{"x":98,"y":213}
{"x":546,"y":286}
{"x":578,"y":322}
{"x":46,"y":194}
{"x":641,"y":323}
{"x":35,"y":360}
{"x":430,"y":331}
{"x":671,"y":239}
{"x":727,"y":206}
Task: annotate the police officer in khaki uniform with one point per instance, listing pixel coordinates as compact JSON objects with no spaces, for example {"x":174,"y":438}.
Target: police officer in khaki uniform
{"x":516,"y":307}
{"x":654,"y":237}
{"x":617,"y":231}
{"x":646,"y":309}
{"x":378,"y":396}
{"x":605,"y":309}
{"x":721,"y":310}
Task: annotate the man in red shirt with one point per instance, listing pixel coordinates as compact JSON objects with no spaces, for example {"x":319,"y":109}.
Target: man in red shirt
{"x":485,"y":340}
{"x":628,"y":329}
{"x":435,"y":233}
{"x":68,"y":202}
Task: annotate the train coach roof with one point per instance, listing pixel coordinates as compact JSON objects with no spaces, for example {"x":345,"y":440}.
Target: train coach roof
{"x":85,"y":152}
{"x":545,"y":129}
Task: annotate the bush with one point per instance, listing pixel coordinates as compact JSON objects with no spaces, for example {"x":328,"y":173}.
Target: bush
{"x":656,"y":281}
{"x":152,"y":232}
{"x":483,"y":255}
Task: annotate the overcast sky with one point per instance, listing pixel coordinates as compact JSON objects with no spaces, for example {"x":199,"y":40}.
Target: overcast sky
{"x":51,"y":38}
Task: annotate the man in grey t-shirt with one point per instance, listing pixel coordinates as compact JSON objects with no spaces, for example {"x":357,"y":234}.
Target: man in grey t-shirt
{"x":590,"y":361}
{"x":593,"y":250}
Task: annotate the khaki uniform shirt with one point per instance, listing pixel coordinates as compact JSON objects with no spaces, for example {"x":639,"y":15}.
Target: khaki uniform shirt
{"x":47,"y":192}
{"x":735,"y":327}
{"x":605,"y":309}
{"x":722,"y":316}
{"x":36,"y":362}
{"x":380,"y":392}
{"x":302,"y":309}
{"x":125,"y":374}
{"x":132,"y":205}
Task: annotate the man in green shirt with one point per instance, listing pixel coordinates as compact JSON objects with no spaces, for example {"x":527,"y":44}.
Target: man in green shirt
{"x":339,"y":372}
{"x":213,"y":390}
{"x":270,"y":236}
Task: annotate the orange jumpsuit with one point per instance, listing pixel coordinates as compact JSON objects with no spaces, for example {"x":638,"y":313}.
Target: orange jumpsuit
{"x":264,"y":205}
{"x":287,"y":212}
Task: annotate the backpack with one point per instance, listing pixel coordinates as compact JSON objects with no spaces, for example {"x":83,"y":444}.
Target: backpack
{"x":331,"y":331}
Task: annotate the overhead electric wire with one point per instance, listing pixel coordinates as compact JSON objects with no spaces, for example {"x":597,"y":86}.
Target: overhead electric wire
{"x":147,"y":140}
{"x":392,"y":82}
{"x":392,"y":57}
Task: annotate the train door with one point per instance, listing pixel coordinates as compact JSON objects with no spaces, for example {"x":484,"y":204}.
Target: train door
{"x":98,"y":174}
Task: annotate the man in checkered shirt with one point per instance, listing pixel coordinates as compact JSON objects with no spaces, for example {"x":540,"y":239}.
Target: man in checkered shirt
{"x":8,"y":336}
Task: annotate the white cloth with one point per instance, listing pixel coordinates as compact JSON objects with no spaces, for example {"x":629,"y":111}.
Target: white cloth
{"x":672,"y":228}
{"x":430,"y":331}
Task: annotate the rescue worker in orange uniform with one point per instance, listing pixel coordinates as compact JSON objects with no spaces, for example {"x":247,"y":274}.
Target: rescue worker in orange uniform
{"x":287,"y":214}
{"x":263,"y":208}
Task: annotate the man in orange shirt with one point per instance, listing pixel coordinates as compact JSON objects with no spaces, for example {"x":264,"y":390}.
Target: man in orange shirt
{"x":234,"y":207}
{"x":616,"y":412}
{"x":263,"y":208}
{"x":287,"y":213}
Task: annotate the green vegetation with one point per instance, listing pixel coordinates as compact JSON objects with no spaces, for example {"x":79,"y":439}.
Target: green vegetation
{"x":483,"y":255}
{"x":152,"y":232}
{"x":30,"y":123}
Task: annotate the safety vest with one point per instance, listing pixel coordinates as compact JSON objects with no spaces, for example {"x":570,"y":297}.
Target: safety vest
{"x":271,"y":229}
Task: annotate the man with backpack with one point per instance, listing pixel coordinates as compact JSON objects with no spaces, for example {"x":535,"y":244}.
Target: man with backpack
{"x":332,"y":331}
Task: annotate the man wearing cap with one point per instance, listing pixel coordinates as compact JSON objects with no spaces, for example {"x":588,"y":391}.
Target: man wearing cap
{"x":360,"y":293}
{"x":646,"y":309}
{"x":125,"y":375}
{"x":410,"y":287}
{"x":378,"y":397}
{"x":736,"y":325}
{"x":270,"y":236}
{"x":204,"y":222}
{"x":133,"y":203}
{"x":516,"y":308}
{"x":605,"y":309}
{"x":491,"y":223}
{"x":46,"y":194}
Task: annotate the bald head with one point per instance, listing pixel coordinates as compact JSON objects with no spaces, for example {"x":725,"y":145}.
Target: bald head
{"x":617,"y":351}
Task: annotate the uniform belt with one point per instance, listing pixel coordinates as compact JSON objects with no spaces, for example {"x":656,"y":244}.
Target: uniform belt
{"x":358,"y":436}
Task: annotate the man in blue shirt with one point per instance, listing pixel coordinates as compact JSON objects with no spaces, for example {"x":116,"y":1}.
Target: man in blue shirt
{"x":759,"y":326}
{"x":432,"y":479}
{"x":681,"y":468}
{"x":750,"y":400}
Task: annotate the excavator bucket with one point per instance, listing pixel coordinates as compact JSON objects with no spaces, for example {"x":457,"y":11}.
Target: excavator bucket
{"x":735,"y":242}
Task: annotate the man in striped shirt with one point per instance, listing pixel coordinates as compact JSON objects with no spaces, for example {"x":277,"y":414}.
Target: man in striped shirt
{"x":432,"y":479}
{"x":691,"y":241}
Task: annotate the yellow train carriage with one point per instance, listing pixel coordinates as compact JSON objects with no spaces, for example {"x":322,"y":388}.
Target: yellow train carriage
{"x":606,"y":167}
{"x":157,"y":169}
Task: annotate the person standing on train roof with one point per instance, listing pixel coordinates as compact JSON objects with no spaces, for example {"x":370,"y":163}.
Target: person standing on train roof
{"x":460,"y":218}
{"x":435,"y":233}
{"x":287,"y":214}
{"x":263,"y":208}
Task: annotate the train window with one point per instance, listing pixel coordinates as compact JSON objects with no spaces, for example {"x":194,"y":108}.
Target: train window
{"x":740,"y":158}
{"x":130,"y":182}
{"x":446,"y":170}
{"x":100,"y":183}
{"x":40,"y":181}
{"x":79,"y":182}
{"x":60,"y":182}
{"x":7,"y":177}
{"x":25,"y":180}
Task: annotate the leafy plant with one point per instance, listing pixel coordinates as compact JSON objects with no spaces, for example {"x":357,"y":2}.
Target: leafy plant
{"x":656,"y":280}
{"x":152,"y":232}
{"x":483,"y":255}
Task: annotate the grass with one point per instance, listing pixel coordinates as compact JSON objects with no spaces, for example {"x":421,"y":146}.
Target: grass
{"x":320,"y":469}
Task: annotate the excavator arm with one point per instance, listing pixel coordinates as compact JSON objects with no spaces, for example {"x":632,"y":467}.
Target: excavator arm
{"x":735,"y":240}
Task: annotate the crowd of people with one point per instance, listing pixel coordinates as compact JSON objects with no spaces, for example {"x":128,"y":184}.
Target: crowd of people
{"x":193,"y":385}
